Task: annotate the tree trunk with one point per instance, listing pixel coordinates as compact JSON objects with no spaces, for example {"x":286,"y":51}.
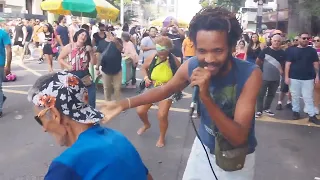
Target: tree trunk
{"x":299,"y":17}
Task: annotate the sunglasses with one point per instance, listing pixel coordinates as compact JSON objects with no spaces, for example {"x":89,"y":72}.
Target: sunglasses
{"x":316,"y":40}
{"x":41,"y":113}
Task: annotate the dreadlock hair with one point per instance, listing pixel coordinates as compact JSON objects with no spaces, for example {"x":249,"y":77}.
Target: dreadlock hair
{"x":217,"y":19}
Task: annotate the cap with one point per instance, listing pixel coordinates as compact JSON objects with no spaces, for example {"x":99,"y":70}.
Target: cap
{"x":68,"y":94}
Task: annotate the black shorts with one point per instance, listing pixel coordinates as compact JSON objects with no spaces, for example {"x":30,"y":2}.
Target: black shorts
{"x":47,"y":49}
{"x":37,"y":44}
{"x":18,"y":43}
{"x":284,"y":88}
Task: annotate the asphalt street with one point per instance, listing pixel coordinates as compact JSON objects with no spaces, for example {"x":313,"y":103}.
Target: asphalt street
{"x":287,"y":150}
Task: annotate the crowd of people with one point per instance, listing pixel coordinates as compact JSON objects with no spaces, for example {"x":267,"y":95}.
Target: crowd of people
{"x":237,"y":82}
{"x":290,"y":64}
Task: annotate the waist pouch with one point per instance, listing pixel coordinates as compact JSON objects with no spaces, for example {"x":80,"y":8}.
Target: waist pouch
{"x":84,"y":75}
{"x":228,"y":157}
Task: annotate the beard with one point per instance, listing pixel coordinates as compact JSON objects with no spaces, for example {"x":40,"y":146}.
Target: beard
{"x":223,"y":67}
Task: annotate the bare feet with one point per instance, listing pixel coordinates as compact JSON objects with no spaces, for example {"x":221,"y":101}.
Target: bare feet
{"x":160,"y":143}
{"x":143,"y":129}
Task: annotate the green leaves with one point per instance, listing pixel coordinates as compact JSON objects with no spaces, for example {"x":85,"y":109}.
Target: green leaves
{"x":233,"y":5}
{"x":313,"y":6}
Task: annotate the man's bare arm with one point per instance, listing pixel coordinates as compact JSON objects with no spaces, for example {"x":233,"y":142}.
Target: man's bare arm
{"x":287,"y":69}
{"x":145,"y":48}
{"x":59,"y":40}
{"x":259,"y":62}
{"x":9,"y":56}
{"x":316,"y":68}
{"x":25,"y":33}
{"x":236,"y":131}
{"x":177,"y":83}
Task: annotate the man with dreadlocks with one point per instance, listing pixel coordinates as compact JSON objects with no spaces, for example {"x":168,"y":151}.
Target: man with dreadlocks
{"x":228,"y":89}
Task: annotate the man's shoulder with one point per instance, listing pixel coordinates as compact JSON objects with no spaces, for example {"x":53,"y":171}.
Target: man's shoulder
{"x":244,"y":66}
{"x":3,"y":32}
{"x":91,"y":144}
{"x":147,"y":38}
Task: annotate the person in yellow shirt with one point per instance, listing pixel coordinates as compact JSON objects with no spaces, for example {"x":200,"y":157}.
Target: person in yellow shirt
{"x":37,"y":29}
{"x":188,"y":48}
{"x":158,"y":69}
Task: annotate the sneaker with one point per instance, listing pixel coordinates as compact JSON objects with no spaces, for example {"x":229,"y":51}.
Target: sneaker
{"x":279,"y":107}
{"x":270,"y":113}
{"x":289,"y":105}
{"x":40,"y":61}
{"x":296,"y":116}
{"x":316,"y":110}
{"x":258,"y":114}
{"x":314,"y":120}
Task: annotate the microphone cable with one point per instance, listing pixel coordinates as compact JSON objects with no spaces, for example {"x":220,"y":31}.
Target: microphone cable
{"x":192,"y":108}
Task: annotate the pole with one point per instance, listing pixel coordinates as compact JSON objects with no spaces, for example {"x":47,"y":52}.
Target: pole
{"x":176,"y":8}
{"x":121,"y":12}
{"x":259,"y":16}
{"x":277,"y":18}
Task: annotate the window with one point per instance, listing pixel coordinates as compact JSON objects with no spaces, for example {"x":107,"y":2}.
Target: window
{"x":1,"y":7}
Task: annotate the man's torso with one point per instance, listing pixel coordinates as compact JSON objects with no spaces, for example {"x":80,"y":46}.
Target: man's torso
{"x":64,"y":34}
{"x":273,"y":58}
{"x":148,"y":42}
{"x":177,"y":44}
{"x":302,"y":59}
{"x":225,"y":92}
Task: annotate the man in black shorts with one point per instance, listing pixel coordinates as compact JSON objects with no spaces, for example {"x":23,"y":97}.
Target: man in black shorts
{"x":19,"y":37}
{"x":284,"y":89}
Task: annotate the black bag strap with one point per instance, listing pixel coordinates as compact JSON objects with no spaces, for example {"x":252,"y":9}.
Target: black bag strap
{"x":105,"y":52}
{"x":153,"y":64}
{"x":172,"y":63}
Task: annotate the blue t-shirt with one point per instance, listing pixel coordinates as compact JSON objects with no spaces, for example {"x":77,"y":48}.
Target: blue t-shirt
{"x":63,"y":32}
{"x":98,"y":154}
{"x":302,"y":60}
{"x":4,"y":41}
{"x":225,"y":92}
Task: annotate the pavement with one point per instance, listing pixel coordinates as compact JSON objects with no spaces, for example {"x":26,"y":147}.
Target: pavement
{"x":287,"y":150}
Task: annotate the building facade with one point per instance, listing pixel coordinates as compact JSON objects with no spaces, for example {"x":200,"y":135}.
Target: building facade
{"x":21,"y":6}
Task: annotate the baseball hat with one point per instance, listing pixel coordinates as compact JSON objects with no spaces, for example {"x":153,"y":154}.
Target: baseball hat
{"x":66,"y":92}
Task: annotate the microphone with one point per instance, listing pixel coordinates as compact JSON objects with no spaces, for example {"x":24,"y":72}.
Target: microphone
{"x":195,"y":96}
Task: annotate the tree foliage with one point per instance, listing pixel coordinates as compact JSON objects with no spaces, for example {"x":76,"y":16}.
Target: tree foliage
{"x":233,"y":5}
{"x":313,"y":6}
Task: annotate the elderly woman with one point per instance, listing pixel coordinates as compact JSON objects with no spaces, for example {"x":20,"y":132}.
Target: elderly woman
{"x":95,"y":152}
{"x":130,"y":53}
{"x":80,"y":56}
{"x":158,"y":69}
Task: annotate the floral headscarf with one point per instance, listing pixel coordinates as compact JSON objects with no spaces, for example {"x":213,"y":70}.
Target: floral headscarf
{"x":66,"y":92}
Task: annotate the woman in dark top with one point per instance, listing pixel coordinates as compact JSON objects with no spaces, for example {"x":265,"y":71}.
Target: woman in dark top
{"x":110,"y":58}
{"x":125,"y":27}
{"x":254,"y":48}
{"x":98,"y":36}
{"x":49,"y":44}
